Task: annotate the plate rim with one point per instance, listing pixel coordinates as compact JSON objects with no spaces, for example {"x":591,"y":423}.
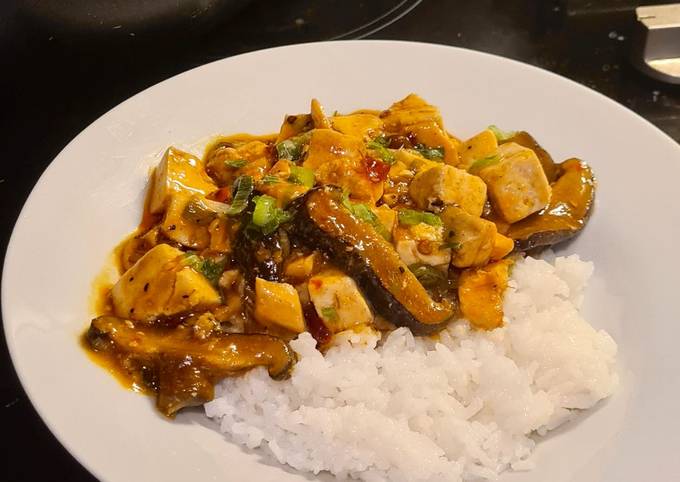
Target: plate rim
{"x":21,"y":218}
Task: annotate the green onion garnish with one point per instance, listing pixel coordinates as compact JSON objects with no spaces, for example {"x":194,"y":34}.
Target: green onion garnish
{"x":270,"y":179}
{"x":243,"y":187}
{"x":301,"y":175}
{"x":237,"y":163}
{"x":410,"y":217}
{"x":431,"y":153}
{"x":379,"y":145}
{"x":211,"y":269}
{"x":501,"y":135}
{"x":480,"y":164}
{"x":329,"y":313}
{"x":267,"y":216}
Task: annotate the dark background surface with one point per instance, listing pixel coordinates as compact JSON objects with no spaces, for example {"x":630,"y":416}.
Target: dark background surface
{"x":55,"y":79}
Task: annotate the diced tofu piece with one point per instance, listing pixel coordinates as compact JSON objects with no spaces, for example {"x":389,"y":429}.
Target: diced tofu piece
{"x":177,"y":227}
{"x":350,"y":175}
{"x":192,"y":292}
{"x":357,"y":125}
{"x":338,"y":301}
{"x":481,"y":146}
{"x":178,"y":172}
{"x":410,"y":111}
{"x":386,"y":216}
{"x":410,"y":253}
{"x":421,"y":243}
{"x":517,"y":184}
{"x":160,"y":285}
{"x":480,"y":292}
{"x":360,"y":335}
{"x":224,"y":163}
{"x":431,"y":135}
{"x":319,"y":116}
{"x":301,"y":268}
{"x":294,"y":125}
{"x":472,"y":236}
{"x":443,"y":185}
{"x":412,"y":161}
{"x":135,"y":247}
{"x":278,"y":304}
{"x":327,"y":145}
{"x":502,"y":246}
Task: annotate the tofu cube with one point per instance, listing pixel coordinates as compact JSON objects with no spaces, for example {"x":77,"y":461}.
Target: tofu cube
{"x":444,"y":185}
{"x":357,"y":125}
{"x":302,"y":267}
{"x":278,"y":304}
{"x":502,"y":246}
{"x":517,"y":184}
{"x":474,"y":237}
{"x":327,"y":145}
{"x":178,"y":171}
{"x":338,"y":301}
{"x":350,"y":175}
{"x":411,"y":161}
{"x":421,"y":243}
{"x":410,"y":111}
{"x":431,"y":135}
{"x":178,"y":228}
{"x":158,"y":284}
{"x":481,"y":146}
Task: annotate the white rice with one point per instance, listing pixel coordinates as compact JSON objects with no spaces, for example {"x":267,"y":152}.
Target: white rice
{"x":415,"y":409}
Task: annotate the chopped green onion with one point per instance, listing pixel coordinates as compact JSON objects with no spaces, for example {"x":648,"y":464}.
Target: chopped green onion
{"x":270,"y":179}
{"x":480,"y":164}
{"x":265,"y":210}
{"x":237,"y":163}
{"x":364,"y":213}
{"x":329,"y":313}
{"x":288,"y":150}
{"x":381,"y":140}
{"x":411,"y":217}
{"x":243,"y":187}
{"x":431,"y":153}
{"x":293,"y":148}
{"x":301,"y":175}
{"x":211,"y":269}
{"x":428,"y":276}
{"x":267,"y":216}
{"x":379,"y":145}
{"x":501,"y":135}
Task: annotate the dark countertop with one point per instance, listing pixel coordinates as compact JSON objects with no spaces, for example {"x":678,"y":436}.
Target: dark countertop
{"x":54,"y":83}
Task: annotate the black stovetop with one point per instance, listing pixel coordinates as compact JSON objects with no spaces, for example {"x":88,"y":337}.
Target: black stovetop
{"x":54,"y":82}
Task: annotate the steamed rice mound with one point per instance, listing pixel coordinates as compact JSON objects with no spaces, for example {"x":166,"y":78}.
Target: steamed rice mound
{"x":418,"y":409}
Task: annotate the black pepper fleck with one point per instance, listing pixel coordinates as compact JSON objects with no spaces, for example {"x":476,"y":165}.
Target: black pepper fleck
{"x":402,"y":270}
{"x":172,"y":227}
{"x":146,"y":287}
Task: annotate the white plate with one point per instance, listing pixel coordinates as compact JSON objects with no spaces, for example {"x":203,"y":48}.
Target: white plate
{"x":91,"y":196}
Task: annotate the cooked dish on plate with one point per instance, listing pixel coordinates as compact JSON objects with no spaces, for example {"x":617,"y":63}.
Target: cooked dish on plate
{"x":355,"y":294}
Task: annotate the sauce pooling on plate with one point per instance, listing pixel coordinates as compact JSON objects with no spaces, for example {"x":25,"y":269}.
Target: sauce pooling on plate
{"x":369,"y":220}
